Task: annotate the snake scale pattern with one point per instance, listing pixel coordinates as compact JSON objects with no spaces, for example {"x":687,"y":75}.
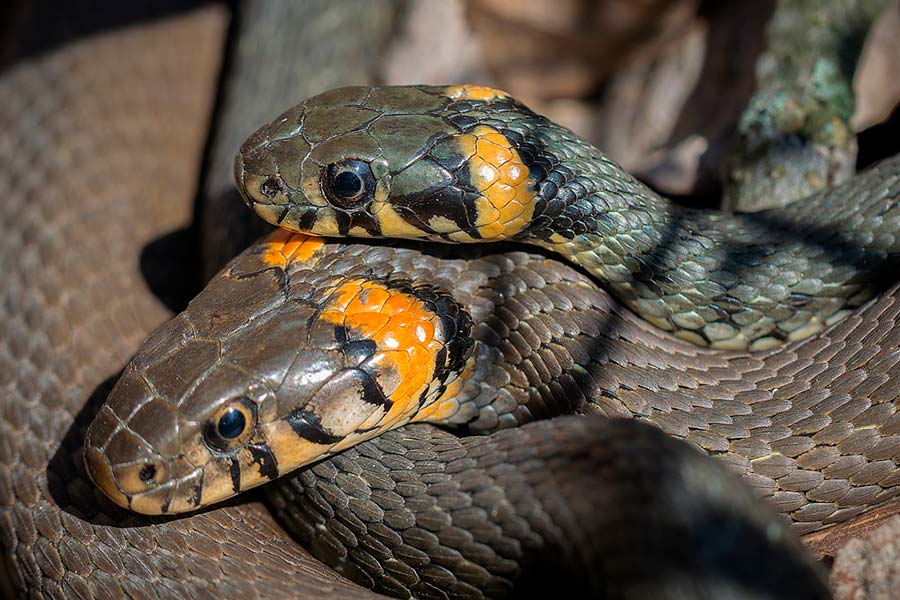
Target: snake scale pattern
{"x":811,"y":424}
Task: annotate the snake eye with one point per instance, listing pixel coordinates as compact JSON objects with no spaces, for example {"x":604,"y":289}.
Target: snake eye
{"x":348,"y":183}
{"x":231,"y":425}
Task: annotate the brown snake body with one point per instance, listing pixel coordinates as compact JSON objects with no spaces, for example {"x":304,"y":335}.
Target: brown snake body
{"x":73,"y":314}
{"x":58,"y":323}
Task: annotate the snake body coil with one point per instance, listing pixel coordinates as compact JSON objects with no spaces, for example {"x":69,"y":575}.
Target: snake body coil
{"x":812,"y":426}
{"x":285,"y":335}
{"x":62,"y":338}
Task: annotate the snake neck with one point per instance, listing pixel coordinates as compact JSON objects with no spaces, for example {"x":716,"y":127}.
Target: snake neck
{"x":731,"y":281}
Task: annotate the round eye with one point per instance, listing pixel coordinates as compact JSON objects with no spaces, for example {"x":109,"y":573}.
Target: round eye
{"x":348,"y":183}
{"x":231,"y":425}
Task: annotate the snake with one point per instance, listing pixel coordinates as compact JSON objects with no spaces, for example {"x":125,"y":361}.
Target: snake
{"x":471,"y":164}
{"x":104,"y":126}
{"x":313,"y":349}
{"x":59,"y":537}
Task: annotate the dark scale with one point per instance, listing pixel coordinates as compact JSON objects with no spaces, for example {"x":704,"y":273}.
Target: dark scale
{"x":234,"y":471}
{"x":196,"y":493}
{"x":307,"y":219}
{"x":358,"y":218}
{"x":356,"y":351}
{"x":371,"y":390}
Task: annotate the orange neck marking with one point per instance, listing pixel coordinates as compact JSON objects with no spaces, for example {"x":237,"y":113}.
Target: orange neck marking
{"x":475,"y":92}
{"x":404,"y":331}
{"x":283,"y":247}
{"x":507,"y":193}
{"x":447,"y":404}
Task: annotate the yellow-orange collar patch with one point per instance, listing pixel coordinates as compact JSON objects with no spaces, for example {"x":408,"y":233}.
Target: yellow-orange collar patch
{"x":501,"y":178}
{"x":475,"y":92}
{"x":406,"y":333}
{"x":283,"y":247}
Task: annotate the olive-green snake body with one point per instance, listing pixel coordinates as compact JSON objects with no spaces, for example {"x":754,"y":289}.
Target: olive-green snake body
{"x":470,"y":164}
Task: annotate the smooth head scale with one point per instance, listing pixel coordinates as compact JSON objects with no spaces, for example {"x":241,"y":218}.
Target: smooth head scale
{"x":277,"y":363}
{"x":402,"y":162}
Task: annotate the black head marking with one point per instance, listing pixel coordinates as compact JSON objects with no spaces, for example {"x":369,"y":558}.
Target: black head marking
{"x":263,"y":456}
{"x":308,"y":426}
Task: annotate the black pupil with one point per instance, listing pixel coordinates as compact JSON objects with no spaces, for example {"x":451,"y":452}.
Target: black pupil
{"x":347,"y":184}
{"x":231,"y":424}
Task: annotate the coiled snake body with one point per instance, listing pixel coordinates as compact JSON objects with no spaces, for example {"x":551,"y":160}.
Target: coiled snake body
{"x":812,"y":422}
{"x":301,"y":349}
{"x":467,"y":163}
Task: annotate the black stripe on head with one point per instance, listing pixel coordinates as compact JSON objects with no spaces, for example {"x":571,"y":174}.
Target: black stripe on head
{"x":355,"y":351}
{"x":372,"y":392}
{"x":262,"y":455}
{"x":309,"y":427}
{"x":364,"y":385}
{"x":410,"y":216}
{"x":307,"y":219}
{"x":343,"y":222}
{"x":340,"y":334}
{"x":234,"y":470}
{"x":454,"y":200}
{"x":358,"y":216}
{"x":365,"y":219}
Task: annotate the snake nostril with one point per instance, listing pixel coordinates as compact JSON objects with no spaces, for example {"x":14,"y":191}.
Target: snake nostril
{"x":148,"y":473}
{"x":270,"y":187}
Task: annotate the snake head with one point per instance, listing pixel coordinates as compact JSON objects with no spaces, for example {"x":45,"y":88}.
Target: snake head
{"x":454,"y":163}
{"x":282,"y":360}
